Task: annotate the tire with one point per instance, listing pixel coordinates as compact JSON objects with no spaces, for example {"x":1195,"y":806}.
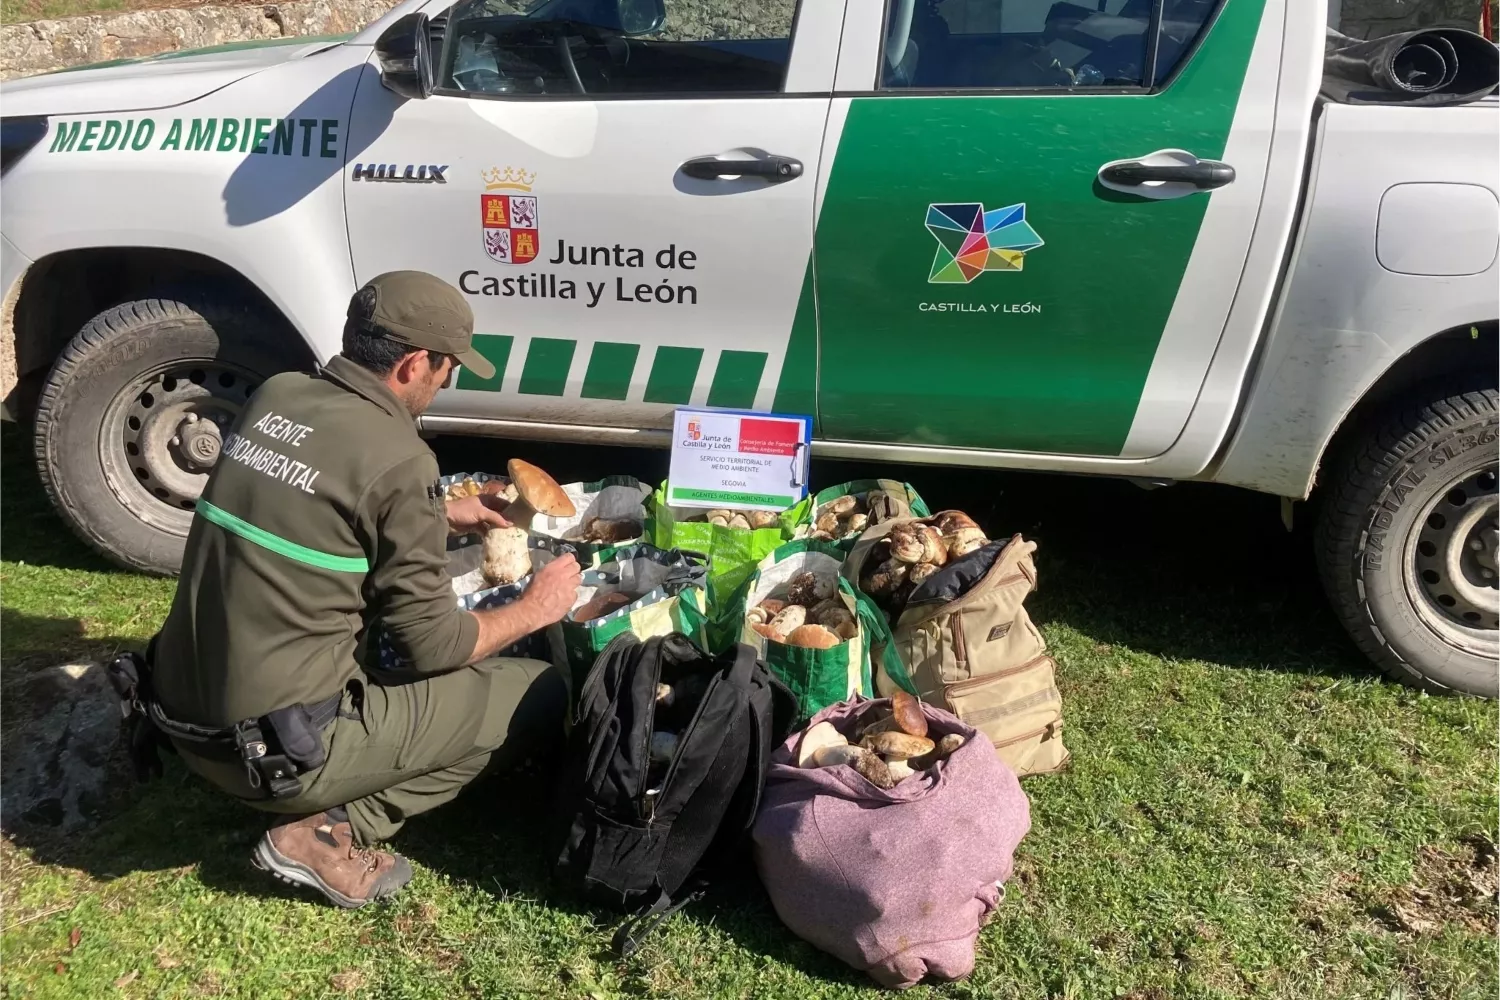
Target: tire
{"x":1396,"y":543}
{"x":178,"y":368}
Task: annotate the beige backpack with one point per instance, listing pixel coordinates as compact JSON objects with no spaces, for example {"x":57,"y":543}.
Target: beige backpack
{"x":980,"y":657}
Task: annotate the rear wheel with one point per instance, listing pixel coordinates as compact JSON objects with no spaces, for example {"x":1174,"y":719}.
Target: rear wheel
{"x":133,"y":415}
{"x":1407,"y":543}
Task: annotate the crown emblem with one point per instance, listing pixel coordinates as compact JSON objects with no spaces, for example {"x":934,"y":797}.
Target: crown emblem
{"x":510,"y":178}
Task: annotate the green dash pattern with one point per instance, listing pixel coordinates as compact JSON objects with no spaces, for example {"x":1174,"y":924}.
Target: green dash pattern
{"x":611,"y":371}
{"x":546,"y":370}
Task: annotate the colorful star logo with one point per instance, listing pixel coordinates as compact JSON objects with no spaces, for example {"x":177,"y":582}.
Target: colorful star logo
{"x":971,"y":240}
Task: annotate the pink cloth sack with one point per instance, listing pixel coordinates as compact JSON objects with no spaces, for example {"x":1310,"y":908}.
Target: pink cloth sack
{"x":896,"y":883}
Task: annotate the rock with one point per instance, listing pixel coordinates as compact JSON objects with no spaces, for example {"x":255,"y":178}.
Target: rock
{"x":49,"y":45}
{"x":56,"y":767}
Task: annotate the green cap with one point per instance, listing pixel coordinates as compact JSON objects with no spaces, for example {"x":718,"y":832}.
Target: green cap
{"x":422,"y":310}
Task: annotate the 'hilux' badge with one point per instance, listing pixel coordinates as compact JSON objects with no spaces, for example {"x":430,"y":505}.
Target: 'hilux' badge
{"x":412,"y":173}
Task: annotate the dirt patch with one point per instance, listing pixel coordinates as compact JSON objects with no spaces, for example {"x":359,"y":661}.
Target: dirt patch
{"x":1458,"y":888}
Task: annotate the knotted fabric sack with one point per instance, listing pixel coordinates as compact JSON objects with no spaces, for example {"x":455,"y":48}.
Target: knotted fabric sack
{"x":896,"y":883}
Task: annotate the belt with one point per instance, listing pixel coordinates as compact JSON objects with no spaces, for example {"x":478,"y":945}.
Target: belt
{"x":294,"y":746}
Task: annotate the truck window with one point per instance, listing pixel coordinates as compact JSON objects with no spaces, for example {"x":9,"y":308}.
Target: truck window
{"x":578,"y":47}
{"x":1037,"y":44}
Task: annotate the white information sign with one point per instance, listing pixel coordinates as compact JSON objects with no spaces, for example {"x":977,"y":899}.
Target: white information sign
{"x":730,"y":458}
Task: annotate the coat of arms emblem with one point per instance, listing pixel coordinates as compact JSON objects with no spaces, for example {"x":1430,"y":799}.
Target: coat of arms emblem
{"x":509,"y":220}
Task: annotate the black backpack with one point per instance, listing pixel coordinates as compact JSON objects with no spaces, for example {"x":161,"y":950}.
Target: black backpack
{"x":634,"y":830}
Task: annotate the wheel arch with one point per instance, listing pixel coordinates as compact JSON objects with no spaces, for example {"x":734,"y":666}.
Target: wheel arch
{"x":59,"y":293}
{"x":1446,"y":359}
{"x":1321,"y":386}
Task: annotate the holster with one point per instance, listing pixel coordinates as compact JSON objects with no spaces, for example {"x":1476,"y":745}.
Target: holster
{"x":274,"y":748}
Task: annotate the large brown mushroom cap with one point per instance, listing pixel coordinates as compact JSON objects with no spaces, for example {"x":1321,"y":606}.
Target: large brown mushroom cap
{"x":538,"y":490}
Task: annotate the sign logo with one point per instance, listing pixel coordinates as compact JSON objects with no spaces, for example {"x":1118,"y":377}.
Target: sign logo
{"x":694,"y":430}
{"x":971,"y":240}
{"x":509,"y":220}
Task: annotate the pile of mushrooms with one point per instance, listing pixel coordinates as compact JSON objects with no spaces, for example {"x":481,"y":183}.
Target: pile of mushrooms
{"x":806,"y":612}
{"x":913,"y":551}
{"x":744,"y":520}
{"x":608,"y":531}
{"x":507,"y":557}
{"x":467,"y":487}
{"x":888,"y":748}
{"x":841,"y":517}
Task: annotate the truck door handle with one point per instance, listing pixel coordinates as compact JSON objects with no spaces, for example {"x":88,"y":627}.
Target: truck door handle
{"x":1164,"y":174}
{"x":775,"y":169}
{"x":1205,"y":175}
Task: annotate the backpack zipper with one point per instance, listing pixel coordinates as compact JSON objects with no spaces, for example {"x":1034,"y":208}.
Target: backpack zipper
{"x":1045,"y":730}
{"x":647,"y":805}
{"x":682,"y":740}
{"x":960,"y":644}
{"x":961,"y":686}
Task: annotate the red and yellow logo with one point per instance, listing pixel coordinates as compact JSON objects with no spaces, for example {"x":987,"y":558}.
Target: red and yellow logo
{"x":509,"y":221}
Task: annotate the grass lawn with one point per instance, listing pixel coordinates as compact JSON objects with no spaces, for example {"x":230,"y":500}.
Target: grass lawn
{"x":1250,"y":812}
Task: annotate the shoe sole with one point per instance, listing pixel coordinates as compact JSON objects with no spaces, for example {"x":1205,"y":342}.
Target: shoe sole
{"x":267,"y":858}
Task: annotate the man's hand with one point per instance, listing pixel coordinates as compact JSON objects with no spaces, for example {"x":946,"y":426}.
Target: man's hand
{"x":476,"y":514}
{"x":554,"y":589}
{"x":548,"y":597}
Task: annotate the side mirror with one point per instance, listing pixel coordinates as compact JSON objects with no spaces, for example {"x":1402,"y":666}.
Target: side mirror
{"x":640,"y":17}
{"x":405,"y":55}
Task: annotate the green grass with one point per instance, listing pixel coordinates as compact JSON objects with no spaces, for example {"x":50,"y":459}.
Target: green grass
{"x":1250,"y":812}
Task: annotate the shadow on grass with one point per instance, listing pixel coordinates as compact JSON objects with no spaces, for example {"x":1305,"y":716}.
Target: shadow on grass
{"x":493,"y":838}
{"x":1189,"y":572}
{"x":33,"y":531}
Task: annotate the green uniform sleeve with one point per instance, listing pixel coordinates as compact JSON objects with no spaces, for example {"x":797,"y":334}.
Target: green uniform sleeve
{"x":408,"y":587}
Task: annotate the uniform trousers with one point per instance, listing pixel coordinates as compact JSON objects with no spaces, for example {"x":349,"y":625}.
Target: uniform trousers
{"x":397,"y":749}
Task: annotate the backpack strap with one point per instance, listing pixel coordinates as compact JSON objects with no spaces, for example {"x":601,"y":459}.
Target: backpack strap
{"x":644,"y":922}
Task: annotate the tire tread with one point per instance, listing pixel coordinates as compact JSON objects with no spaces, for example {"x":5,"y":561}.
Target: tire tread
{"x":220,"y":312}
{"x":1361,"y":478}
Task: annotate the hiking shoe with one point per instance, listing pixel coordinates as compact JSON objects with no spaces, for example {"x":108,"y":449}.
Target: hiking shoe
{"x":319,"y":851}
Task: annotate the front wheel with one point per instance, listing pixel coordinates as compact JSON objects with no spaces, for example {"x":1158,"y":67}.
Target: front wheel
{"x":134,"y":413}
{"x":1407,"y":542}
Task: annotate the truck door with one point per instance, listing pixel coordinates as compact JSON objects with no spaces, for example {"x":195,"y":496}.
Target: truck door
{"x":571,"y":180}
{"x":1037,"y":216}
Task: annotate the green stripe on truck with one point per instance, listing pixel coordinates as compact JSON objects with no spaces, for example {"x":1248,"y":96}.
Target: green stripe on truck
{"x":736,"y":379}
{"x":611,"y":367}
{"x":546,"y":370}
{"x":673,"y":373}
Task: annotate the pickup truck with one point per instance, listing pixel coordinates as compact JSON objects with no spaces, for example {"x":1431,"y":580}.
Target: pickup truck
{"x":1120,"y":238}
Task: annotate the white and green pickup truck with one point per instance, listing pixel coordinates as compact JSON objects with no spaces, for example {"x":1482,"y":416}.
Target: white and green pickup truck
{"x":1112,"y":237}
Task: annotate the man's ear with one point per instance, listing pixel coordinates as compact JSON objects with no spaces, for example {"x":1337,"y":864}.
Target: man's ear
{"x":407,"y":370}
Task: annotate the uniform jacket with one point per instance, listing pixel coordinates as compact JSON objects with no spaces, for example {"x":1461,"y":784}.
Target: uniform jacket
{"x":322,"y":517}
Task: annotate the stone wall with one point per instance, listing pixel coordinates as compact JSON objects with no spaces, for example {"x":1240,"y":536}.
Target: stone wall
{"x":1373,"y":18}
{"x":44,"y":46}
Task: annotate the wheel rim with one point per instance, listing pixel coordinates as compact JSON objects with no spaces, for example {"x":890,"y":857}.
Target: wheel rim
{"x":1451,"y":570}
{"x":163,"y":432}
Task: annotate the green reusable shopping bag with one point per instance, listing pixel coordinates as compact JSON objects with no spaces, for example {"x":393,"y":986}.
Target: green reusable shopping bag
{"x":669,"y":594}
{"x":622,"y":498}
{"x":818,"y":677}
{"x":891,"y":499}
{"x":732,"y":552}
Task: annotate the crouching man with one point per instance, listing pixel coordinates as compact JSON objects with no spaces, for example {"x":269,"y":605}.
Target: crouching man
{"x":321,"y":527}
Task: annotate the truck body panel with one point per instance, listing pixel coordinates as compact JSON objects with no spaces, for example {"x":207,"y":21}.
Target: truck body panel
{"x":1344,"y":318}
